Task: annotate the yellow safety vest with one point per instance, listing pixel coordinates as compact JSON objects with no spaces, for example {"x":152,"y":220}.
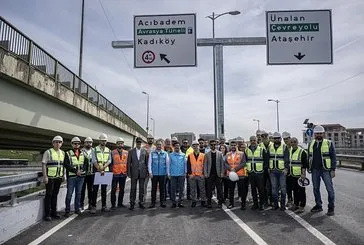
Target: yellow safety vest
{"x":77,"y":163}
{"x":262,"y":145}
{"x":189,"y":151}
{"x":325,"y":153}
{"x":102,"y":158}
{"x":295,"y":162}
{"x":254,"y":160}
{"x":276,"y":157}
{"x":55,"y":164}
{"x":90,"y":170}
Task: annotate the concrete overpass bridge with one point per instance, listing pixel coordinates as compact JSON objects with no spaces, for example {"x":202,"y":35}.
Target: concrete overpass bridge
{"x":40,"y":97}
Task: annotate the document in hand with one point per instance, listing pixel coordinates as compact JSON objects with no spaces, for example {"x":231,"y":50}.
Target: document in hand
{"x":105,"y":179}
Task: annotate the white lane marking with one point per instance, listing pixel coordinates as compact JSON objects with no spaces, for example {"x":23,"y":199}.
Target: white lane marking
{"x":242,"y":225}
{"x":311,"y":229}
{"x":60,"y":225}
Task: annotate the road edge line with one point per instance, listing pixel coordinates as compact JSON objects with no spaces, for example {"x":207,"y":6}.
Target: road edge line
{"x":242,"y":225}
{"x":62,"y":224}
{"x":324,"y":239}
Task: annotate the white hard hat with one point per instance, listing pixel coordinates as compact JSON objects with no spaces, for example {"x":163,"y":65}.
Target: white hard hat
{"x":233,"y":176}
{"x":150,"y":136}
{"x":75,"y":139}
{"x":259,"y":132}
{"x":276,"y":135}
{"x":103,"y":137}
{"x":264,"y":133}
{"x":270,"y":134}
{"x":286,"y":135}
{"x":318,"y":129}
{"x":174,"y":138}
{"x":89,"y":139}
{"x":119,"y":140}
{"x":195,"y":142}
{"x":57,"y":138}
{"x":239,"y":139}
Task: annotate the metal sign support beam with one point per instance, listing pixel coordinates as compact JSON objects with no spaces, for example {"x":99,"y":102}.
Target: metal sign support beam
{"x":218,"y":44}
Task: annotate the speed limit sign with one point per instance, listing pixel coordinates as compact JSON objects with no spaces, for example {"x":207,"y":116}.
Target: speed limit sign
{"x":148,"y":57}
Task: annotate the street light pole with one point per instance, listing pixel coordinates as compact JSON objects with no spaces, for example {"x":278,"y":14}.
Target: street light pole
{"x":153,"y":126}
{"x":147,"y":111}
{"x":277,"y":101}
{"x":213,"y":17}
{"x":256,"y":120}
{"x":81,"y":40}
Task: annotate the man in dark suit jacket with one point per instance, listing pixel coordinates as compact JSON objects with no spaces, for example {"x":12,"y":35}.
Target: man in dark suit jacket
{"x":137,"y":169}
{"x":214,"y":172}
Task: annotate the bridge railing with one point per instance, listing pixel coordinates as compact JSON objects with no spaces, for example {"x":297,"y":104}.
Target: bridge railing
{"x":355,"y":161}
{"x":14,"y":41}
{"x":10,"y":185}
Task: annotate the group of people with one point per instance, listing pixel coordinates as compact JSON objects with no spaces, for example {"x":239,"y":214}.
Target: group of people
{"x":273,"y":168}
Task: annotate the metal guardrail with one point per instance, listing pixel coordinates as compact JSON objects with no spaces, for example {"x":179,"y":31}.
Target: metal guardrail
{"x":14,"y":41}
{"x":9,"y":185}
{"x":354,"y":160}
{"x":14,"y":162}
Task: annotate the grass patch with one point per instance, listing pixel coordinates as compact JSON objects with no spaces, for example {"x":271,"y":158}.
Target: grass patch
{"x":15,"y":154}
{"x":30,"y":191}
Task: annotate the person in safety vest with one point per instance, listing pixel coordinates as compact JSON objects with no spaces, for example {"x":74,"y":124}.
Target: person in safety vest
{"x":158,"y":167}
{"x":322,"y":164}
{"x":52,"y":168}
{"x":278,"y":169}
{"x":137,"y":167}
{"x":189,"y":150}
{"x":89,"y":178}
{"x":270,"y":136}
{"x":76,"y":165}
{"x":289,"y":186}
{"x":195,"y":174}
{"x":184,"y":146}
{"x":297,"y":168}
{"x":177,"y":173}
{"x":266,"y":143}
{"x":168,"y":147}
{"x":101,"y":160}
{"x":236,"y":161}
{"x":119,"y":158}
{"x":259,"y":136}
{"x":256,"y":163}
{"x":214,"y":172}
{"x":149,"y":147}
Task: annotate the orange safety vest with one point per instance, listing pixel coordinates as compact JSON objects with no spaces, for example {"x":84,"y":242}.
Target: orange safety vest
{"x":196,"y":165}
{"x":235,"y":162}
{"x":119,"y":163}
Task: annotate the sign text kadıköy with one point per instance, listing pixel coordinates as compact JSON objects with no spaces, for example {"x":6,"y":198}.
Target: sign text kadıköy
{"x":165,"y":40}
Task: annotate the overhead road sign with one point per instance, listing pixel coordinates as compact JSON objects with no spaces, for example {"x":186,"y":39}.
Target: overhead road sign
{"x":299,"y":37}
{"x":165,"y":40}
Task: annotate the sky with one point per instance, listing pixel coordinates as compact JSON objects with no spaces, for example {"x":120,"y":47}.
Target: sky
{"x":181,"y":99}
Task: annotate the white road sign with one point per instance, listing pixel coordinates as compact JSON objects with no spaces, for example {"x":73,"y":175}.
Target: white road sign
{"x":299,"y":37}
{"x":165,"y":40}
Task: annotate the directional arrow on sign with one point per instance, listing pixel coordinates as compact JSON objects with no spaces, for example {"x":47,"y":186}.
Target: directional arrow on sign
{"x":164,"y":57}
{"x":299,"y":56}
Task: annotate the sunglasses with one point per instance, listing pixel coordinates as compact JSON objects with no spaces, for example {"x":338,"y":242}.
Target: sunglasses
{"x":57,"y":142}
{"x":76,"y":143}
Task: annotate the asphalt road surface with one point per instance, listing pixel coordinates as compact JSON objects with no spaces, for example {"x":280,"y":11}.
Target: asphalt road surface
{"x":215,"y":226}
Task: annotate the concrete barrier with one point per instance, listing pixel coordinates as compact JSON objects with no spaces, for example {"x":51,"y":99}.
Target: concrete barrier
{"x":27,"y":213}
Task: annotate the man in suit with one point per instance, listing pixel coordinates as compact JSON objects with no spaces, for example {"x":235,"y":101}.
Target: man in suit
{"x":214,"y":172}
{"x":137,"y":169}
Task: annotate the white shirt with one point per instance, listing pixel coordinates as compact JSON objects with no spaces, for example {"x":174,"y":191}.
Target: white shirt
{"x":138,"y":153}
